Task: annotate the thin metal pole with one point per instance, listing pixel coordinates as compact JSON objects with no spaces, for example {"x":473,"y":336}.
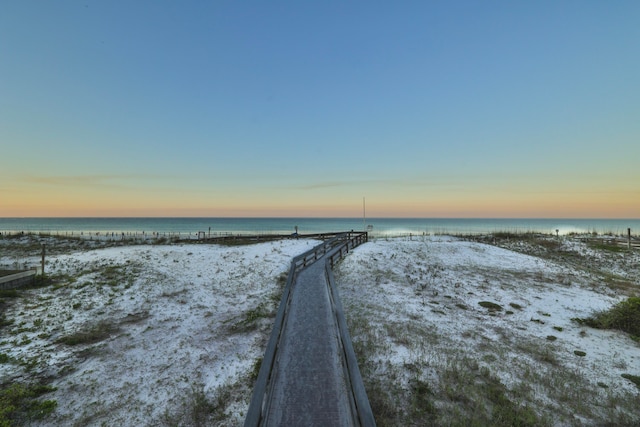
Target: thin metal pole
{"x":364,"y":216}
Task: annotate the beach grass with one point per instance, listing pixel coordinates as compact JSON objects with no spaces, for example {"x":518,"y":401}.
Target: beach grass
{"x":624,"y":316}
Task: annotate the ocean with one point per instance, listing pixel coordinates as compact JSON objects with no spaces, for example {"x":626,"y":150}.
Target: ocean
{"x":261,"y":226}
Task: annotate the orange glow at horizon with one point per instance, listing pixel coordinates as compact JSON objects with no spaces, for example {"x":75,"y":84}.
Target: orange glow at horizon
{"x":442,"y":205}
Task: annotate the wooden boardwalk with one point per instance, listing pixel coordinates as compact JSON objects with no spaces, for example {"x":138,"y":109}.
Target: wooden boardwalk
{"x":309,"y":375}
{"x":308,"y":380}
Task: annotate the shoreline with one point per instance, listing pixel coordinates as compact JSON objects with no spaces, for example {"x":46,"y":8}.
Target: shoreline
{"x":169,"y":227}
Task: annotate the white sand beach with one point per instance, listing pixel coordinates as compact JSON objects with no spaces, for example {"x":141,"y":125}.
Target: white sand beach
{"x":179,"y":329}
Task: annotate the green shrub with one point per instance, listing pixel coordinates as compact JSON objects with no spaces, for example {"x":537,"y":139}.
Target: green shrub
{"x":19,"y":403}
{"x":624,"y":316}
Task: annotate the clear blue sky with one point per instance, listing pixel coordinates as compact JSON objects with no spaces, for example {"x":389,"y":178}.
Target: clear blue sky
{"x":426,"y":108}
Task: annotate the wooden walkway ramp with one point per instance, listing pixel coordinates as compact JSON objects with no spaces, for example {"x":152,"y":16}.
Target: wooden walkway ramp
{"x":309,"y":374}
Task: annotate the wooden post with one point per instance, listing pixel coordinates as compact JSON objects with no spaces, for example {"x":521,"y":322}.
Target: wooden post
{"x":43,"y":250}
{"x":629,"y":238}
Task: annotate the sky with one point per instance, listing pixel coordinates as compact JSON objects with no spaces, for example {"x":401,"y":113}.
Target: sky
{"x":291,"y":108}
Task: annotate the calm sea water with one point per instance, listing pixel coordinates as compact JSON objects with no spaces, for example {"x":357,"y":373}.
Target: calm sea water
{"x":378,"y":226}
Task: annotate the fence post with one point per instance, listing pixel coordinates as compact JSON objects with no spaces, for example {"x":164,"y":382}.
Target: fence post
{"x":629,"y":238}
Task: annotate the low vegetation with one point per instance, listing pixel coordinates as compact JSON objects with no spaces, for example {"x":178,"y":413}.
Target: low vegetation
{"x":90,"y":335}
{"x":491,"y":306}
{"x":21,"y":403}
{"x":252,"y":318}
{"x":198,"y":410}
{"x":624,"y":316}
{"x":633,"y":378}
{"x":607,"y":246}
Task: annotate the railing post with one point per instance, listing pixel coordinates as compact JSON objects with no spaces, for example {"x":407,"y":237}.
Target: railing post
{"x":43,"y":254}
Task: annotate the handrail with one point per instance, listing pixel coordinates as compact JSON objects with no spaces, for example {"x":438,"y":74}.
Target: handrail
{"x":335,"y":248}
{"x":319,"y":251}
{"x":361,"y":406}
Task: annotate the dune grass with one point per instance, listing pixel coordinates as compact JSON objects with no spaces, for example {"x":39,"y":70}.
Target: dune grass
{"x":624,"y":316}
